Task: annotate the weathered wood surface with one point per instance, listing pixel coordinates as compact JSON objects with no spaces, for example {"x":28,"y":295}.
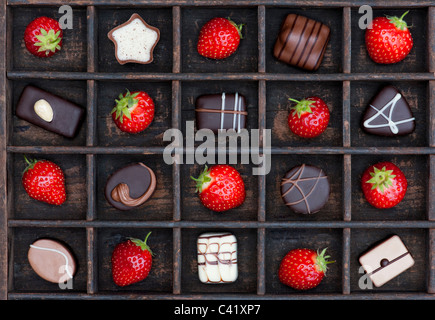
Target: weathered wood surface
{"x":86,"y":72}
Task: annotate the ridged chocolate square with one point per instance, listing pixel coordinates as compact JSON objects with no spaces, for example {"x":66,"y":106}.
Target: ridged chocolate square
{"x":301,"y":42}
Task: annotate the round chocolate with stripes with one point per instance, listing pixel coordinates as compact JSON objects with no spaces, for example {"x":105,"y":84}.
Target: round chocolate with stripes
{"x":302,"y":42}
{"x":305,"y":189}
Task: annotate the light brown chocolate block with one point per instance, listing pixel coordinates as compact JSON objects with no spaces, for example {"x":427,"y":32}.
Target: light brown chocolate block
{"x":386,"y":261}
{"x":51,"y":260}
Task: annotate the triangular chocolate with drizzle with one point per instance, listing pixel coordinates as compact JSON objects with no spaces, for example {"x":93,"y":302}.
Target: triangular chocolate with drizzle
{"x":389,"y":114}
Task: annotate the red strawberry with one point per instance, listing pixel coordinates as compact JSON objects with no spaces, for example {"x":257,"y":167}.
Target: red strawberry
{"x":219,"y":38}
{"x":44,"y":181}
{"x":309,"y":117}
{"x":384,"y":185}
{"x":43,"y":37}
{"x":131,"y":261}
{"x":303,"y":269}
{"x":220,"y":188}
{"x":389,"y":39}
{"x":133,"y":112}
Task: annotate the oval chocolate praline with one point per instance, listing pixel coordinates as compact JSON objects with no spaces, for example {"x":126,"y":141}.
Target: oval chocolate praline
{"x":305,"y":189}
{"x":139,"y":181}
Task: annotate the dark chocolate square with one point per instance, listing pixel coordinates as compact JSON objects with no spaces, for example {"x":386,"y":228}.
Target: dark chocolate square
{"x":388,"y":114}
{"x":67,"y":116}
{"x":221,"y":111}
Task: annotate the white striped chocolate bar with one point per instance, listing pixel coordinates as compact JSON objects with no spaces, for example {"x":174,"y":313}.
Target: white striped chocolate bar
{"x":217,"y":257}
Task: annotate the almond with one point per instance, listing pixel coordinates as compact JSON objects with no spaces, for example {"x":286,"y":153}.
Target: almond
{"x":44,"y":110}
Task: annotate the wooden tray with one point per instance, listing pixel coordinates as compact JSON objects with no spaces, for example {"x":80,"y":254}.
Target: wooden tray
{"x":86,"y":72}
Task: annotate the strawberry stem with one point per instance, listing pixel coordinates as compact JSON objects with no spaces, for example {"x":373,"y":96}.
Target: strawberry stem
{"x":125,"y":105}
{"x":322,"y":260}
{"x":204,"y":177}
{"x":381,"y":178}
{"x":30,"y":163}
{"x":48,"y":41}
{"x":142,"y":244}
{"x":301,"y":106}
{"x":239,"y":27}
{"x":399,"y":22}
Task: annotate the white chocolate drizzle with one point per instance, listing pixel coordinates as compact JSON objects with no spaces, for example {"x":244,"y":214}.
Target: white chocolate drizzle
{"x":237,"y":112}
{"x":390,"y":123}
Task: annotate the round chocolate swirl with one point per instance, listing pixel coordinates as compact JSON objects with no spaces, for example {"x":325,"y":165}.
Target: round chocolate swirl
{"x":130,"y":187}
{"x":121,"y":193}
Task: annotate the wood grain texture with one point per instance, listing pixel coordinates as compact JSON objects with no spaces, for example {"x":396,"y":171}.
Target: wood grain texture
{"x":87,"y":73}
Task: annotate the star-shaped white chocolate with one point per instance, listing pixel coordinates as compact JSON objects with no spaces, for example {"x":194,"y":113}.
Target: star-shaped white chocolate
{"x":134,"y":41}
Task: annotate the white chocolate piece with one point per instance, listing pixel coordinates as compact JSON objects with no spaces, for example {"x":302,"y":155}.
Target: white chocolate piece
{"x":386,"y":261}
{"x":44,"y":110}
{"x":135,"y":41}
{"x":217,"y":258}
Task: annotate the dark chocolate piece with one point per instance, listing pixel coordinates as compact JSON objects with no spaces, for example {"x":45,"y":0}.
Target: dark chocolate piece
{"x":130,"y":187}
{"x":305,"y":189}
{"x":221,"y":112}
{"x":301,"y":42}
{"x":389,"y":114}
{"x":66,"y":116}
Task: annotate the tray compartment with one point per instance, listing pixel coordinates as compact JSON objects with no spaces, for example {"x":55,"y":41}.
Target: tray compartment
{"x":413,"y":205}
{"x":278,"y":109}
{"x":108,"y":134}
{"x":158,"y":207}
{"x":412,"y":280}
{"x":192,"y":209}
{"x":75,"y":206}
{"x":27,"y":134}
{"x":191,"y":90}
{"x":246,"y":57}
{"x":72,"y":57}
{"x":159,"y":280}
{"x":109,"y":18}
{"x":415,"y":92}
{"x":26,"y":280}
{"x":276,"y":210}
{"x":246,"y":258}
{"x":281,"y":241}
{"x":332,"y":17}
{"x":416,"y":61}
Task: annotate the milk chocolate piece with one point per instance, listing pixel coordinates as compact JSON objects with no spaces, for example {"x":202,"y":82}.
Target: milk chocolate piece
{"x":386,"y":260}
{"x":52,"y":260}
{"x":217,"y":257}
{"x":389,"y":114}
{"x":130,"y":187}
{"x":66,"y":117}
{"x":301,"y":42}
{"x":134,"y":41}
{"x":305,"y":189}
{"x":221,"y":112}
